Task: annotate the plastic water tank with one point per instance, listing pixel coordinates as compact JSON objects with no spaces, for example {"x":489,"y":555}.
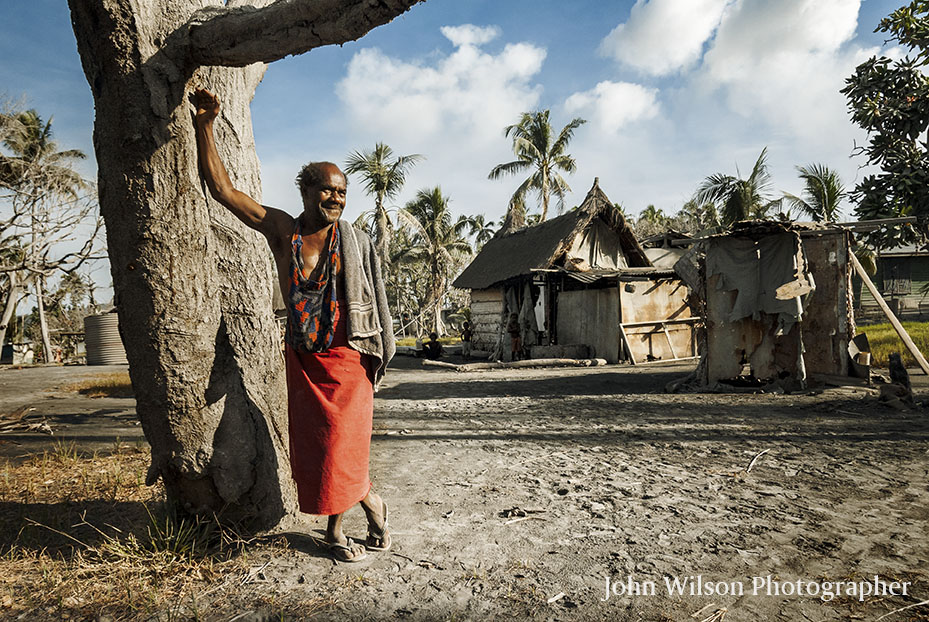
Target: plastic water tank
{"x":101,"y":335}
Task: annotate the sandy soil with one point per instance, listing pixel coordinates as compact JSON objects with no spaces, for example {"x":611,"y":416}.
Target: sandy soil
{"x":618,"y":479}
{"x":521,"y":493}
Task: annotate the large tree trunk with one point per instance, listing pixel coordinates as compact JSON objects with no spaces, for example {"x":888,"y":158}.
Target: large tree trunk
{"x":193,"y":285}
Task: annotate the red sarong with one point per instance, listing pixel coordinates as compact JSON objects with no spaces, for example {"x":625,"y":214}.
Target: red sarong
{"x":330,"y":399}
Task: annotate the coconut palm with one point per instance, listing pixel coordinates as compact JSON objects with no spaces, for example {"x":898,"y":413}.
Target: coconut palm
{"x":652,"y":220}
{"x":36,"y":168}
{"x":383,"y":177}
{"x":741,"y":199}
{"x":822,"y":192}
{"x":38,"y":176}
{"x":482,"y":230}
{"x":696,"y":218}
{"x":440,"y":244}
{"x":538,"y":151}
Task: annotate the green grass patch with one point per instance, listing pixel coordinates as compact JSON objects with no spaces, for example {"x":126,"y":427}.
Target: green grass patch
{"x":884,"y":340}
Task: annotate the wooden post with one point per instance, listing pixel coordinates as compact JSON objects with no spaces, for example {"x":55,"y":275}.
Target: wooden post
{"x":907,"y":341}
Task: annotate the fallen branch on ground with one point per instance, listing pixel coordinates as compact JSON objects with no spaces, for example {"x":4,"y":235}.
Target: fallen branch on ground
{"x":517,"y":364}
{"x":748,"y":469}
{"x":925,"y":602}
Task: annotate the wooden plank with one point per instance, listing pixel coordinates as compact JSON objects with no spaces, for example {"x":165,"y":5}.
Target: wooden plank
{"x":907,"y":341}
{"x":668,"y":337}
{"x":685,"y":320}
{"x":622,"y":333}
{"x":840,"y":381}
{"x":656,"y":361}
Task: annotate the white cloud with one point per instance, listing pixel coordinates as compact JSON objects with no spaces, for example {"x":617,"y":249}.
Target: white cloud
{"x":469,"y":94}
{"x":611,"y":105}
{"x":756,"y":34}
{"x":469,"y":34}
{"x":664,"y":36}
{"x":450,"y":106}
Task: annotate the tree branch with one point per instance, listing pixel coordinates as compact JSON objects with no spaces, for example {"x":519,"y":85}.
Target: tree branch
{"x":245,"y":35}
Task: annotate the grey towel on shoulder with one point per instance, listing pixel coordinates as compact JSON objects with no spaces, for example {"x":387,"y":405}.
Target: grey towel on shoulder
{"x":370,"y":328}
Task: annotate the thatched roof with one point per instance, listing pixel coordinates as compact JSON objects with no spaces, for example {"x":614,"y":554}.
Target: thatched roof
{"x":543,"y":245}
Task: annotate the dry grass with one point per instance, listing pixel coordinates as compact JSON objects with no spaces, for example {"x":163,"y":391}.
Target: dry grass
{"x":105,"y":385}
{"x":82,"y":537}
{"x":884,"y":340}
{"x":445,"y":341}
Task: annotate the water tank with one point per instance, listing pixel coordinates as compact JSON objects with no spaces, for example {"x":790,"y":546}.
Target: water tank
{"x":101,"y":335}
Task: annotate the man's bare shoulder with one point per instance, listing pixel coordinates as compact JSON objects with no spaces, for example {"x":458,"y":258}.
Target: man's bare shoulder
{"x":278,"y":228}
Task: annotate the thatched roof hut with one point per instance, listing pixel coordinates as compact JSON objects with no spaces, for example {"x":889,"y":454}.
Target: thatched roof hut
{"x":570,"y":281}
{"x":595,"y":232}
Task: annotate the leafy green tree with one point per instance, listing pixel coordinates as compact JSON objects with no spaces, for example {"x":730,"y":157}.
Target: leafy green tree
{"x":741,"y":199}
{"x":439,"y":242}
{"x":541,"y":153}
{"x":890,"y":100}
{"x":383,"y":176}
{"x":823,"y":191}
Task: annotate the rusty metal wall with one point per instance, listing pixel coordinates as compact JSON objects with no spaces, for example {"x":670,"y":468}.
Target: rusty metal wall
{"x":591,"y":317}
{"x":826,"y":325}
{"x":654,"y":300}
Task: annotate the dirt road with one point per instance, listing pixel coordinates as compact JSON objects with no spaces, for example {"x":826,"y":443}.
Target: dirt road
{"x":525,"y":494}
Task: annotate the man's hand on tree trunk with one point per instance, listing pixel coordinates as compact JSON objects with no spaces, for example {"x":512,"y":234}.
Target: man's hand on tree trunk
{"x":207,"y":105}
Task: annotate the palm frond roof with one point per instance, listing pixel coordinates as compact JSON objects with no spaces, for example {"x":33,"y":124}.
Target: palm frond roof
{"x":543,"y":245}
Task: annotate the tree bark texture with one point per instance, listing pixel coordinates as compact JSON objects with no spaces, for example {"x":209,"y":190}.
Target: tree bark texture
{"x":47,"y":355}
{"x":9,"y":306}
{"x":194,"y":285}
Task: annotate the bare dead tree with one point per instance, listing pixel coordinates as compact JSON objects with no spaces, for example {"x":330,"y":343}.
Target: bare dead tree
{"x":48,"y":214}
{"x":193,"y":285}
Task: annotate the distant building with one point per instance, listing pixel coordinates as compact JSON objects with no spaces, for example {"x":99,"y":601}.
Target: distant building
{"x":902,"y":278}
{"x":582,"y":285}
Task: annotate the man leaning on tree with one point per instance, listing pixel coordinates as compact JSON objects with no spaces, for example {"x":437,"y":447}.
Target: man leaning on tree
{"x":338,"y":341}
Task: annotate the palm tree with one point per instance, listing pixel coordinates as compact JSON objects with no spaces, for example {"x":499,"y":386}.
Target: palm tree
{"x":440,"y":244}
{"x":37,"y":173}
{"x":822,"y":192}
{"x":482,"y":230}
{"x":696,"y":218}
{"x":652,"y":220}
{"x":383,"y":177}
{"x":36,"y":168}
{"x":741,"y":199}
{"x":537,"y":151}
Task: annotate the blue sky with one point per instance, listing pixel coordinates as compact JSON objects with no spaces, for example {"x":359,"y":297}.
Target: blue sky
{"x":673,"y":91}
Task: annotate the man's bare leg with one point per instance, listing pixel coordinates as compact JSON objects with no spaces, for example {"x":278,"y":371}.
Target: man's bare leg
{"x":374,"y":508}
{"x":334,"y":535}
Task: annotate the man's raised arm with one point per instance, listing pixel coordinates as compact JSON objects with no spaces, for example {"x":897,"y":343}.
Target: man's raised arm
{"x":269,"y":221}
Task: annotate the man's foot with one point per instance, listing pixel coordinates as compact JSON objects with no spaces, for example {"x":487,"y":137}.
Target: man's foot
{"x":378,"y":537}
{"x":348,"y":551}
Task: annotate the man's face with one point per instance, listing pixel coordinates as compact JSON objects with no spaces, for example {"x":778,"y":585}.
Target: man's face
{"x":323,"y":203}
